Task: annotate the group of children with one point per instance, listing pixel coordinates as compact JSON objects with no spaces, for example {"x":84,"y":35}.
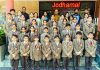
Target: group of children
{"x":50,"y":40}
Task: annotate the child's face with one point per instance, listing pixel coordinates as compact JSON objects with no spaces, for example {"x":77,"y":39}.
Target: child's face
{"x":62,"y":16}
{"x":75,"y":20}
{"x":56,"y":39}
{"x":14,"y":27}
{"x":71,"y":18}
{"x":64,"y":22}
{"x":52,"y":17}
{"x":31,"y":15}
{"x":19,"y":12}
{"x":35,"y":14}
{"x":22,"y":18}
{"x":26,"y":39}
{"x":67,"y":38}
{"x":45,"y":23}
{"x":89,"y":19}
{"x":23,"y":30}
{"x":33,"y":22}
{"x":77,"y":27}
{"x":78,"y":36}
{"x":9,"y":16}
{"x":45,"y":13}
{"x":12,"y":12}
{"x":67,"y":14}
{"x":86,"y":15}
{"x":55,"y":31}
{"x":46,"y":39}
{"x":46,"y":30}
{"x":68,"y":27}
{"x":32,"y":29}
{"x":90,"y":36}
{"x":54,"y":23}
{"x":14,"y":39}
{"x":36,"y":39}
{"x":43,"y":17}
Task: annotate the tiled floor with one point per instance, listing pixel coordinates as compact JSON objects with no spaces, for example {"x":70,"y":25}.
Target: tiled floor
{"x":5,"y":65}
{"x":70,"y":68}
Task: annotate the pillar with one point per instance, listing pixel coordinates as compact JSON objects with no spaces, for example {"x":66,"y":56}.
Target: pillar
{"x":99,"y":19}
{"x":9,"y":5}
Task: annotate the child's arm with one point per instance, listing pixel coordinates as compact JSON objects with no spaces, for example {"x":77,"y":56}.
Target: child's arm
{"x":10,"y":49}
{"x":71,"y":49}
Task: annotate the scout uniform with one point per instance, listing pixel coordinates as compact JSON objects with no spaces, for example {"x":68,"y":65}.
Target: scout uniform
{"x":61,"y":27}
{"x":24,"y":51}
{"x":67,"y":48}
{"x":8,"y":25}
{"x":13,"y":49}
{"x":23,"y":24}
{"x":46,"y":50}
{"x":50,"y":22}
{"x":43,"y":36}
{"x":32,"y":35}
{"x":90,"y":51}
{"x":74,"y":33}
{"x":42,"y":28}
{"x":82,"y":22}
{"x":12,"y":33}
{"x":35,"y":54}
{"x":51,"y":29}
{"x":78,"y":51}
{"x":21,"y":36}
{"x":53,"y":35}
{"x":36,"y":28}
{"x":64,"y":32}
{"x":56,"y":51}
{"x":87,"y":28}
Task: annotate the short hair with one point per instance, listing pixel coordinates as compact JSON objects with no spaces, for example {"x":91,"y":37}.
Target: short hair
{"x":46,"y":36}
{"x":45,"y":20}
{"x":64,"y":19}
{"x":23,"y":7}
{"x":91,"y":33}
{"x":36,"y":36}
{"x":76,"y":9}
{"x":67,"y":35}
{"x":57,"y":36}
{"x":55,"y":28}
{"x":77,"y":24}
{"x":34,"y":19}
{"x":15,"y":25}
{"x":12,"y":10}
{"x":78,"y":33}
{"x":45,"y":28}
{"x":23,"y":15}
{"x":26,"y":36}
{"x":85,"y":14}
{"x":32,"y":27}
{"x":70,"y":16}
{"x":9,"y":14}
{"x":90,"y":16}
{"x":15,"y":35}
{"x":68,"y":25}
{"x":74,"y":17}
{"x":36,"y":13}
{"x":23,"y":27}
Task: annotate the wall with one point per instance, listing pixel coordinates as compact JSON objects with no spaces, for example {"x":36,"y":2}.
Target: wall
{"x":31,"y":5}
{"x":2,"y":5}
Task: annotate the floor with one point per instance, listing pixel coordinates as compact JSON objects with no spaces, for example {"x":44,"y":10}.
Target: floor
{"x":5,"y":64}
{"x":70,"y":68}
